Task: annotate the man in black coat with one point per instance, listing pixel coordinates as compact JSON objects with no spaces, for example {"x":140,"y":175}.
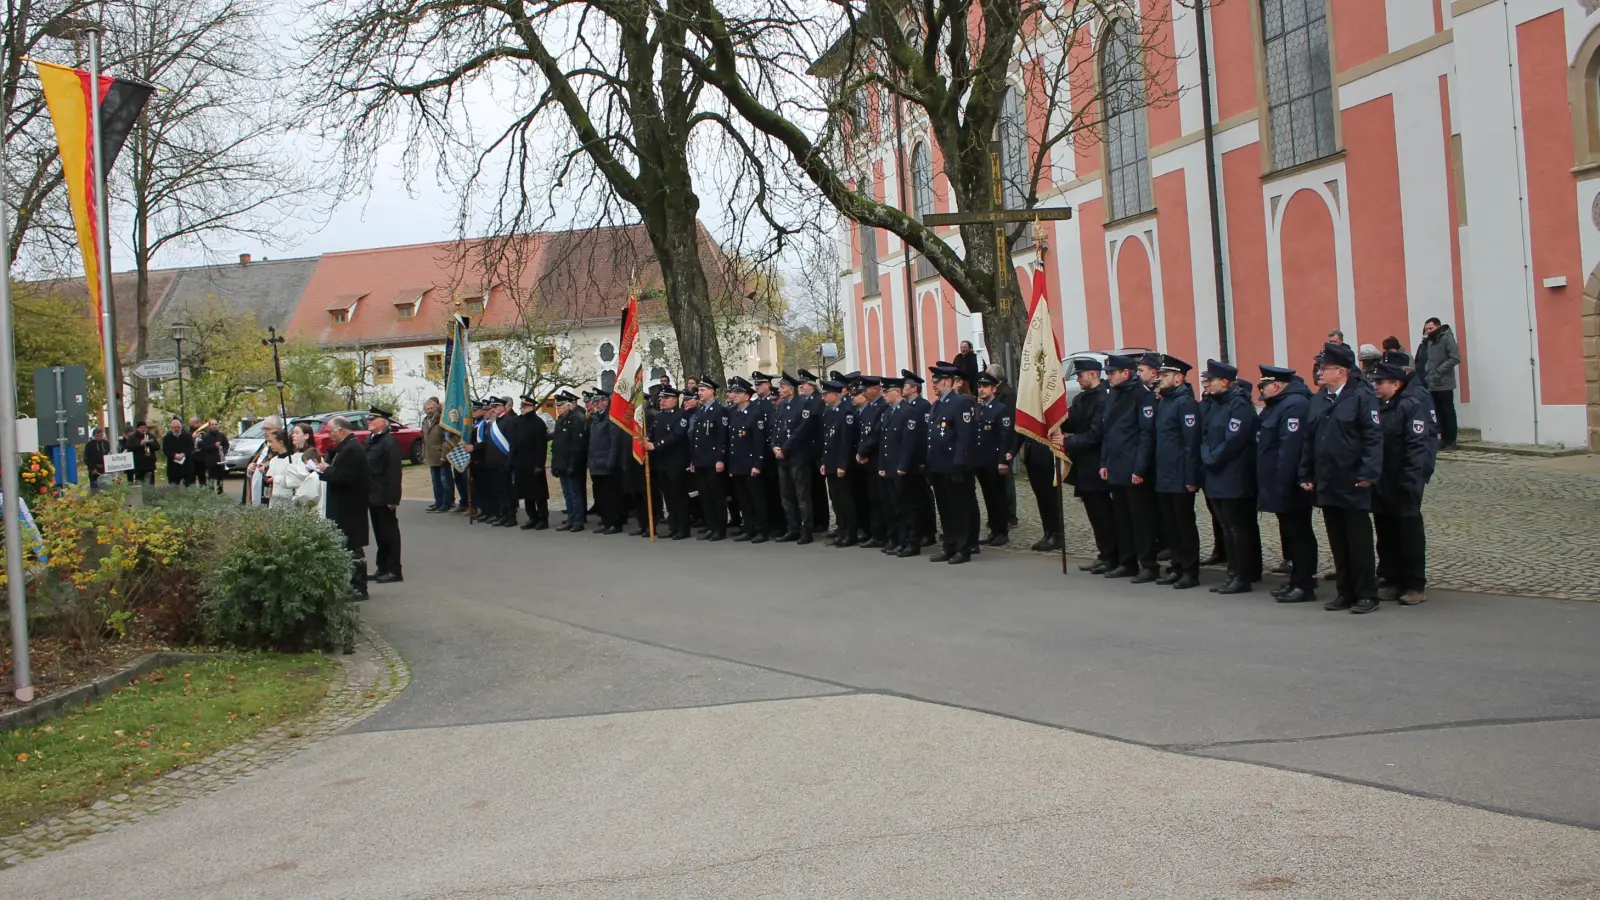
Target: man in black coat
{"x":345,"y":481}
{"x":1408,"y":457}
{"x":383,"y":493}
{"x":1227,"y":452}
{"x":144,"y":447}
{"x":994,"y":444}
{"x":569,"y":459}
{"x":749,"y":456}
{"x":668,"y":445}
{"x":499,"y":495}
{"x":1128,"y":465}
{"x":794,"y":445}
{"x":1178,"y":471}
{"x":1342,"y":461}
{"x":708,"y":459}
{"x":1080,"y":439}
{"x":177,"y":445}
{"x":211,"y":447}
{"x":949,"y":463}
{"x":840,"y":437}
{"x":94,"y":457}
{"x":528,"y":453}
{"x":608,"y":447}
{"x":916,"y":500}
{"x":874,"y":497}
{"x":1280,"y":435}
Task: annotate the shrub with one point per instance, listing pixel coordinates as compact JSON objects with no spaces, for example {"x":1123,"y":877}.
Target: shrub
{"x":282,"y":581}
{"x":38,"y":474}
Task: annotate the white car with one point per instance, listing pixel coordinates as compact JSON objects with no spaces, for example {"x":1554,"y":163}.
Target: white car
{"x":1070,"y":371}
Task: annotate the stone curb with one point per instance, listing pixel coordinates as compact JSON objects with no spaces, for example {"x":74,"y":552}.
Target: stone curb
{"x":1530,"y":450}
{"x":371,"y":678}
{"x":55,"y":704}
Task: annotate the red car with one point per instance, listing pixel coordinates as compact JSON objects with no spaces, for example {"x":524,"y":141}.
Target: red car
{"x":409,"y":437}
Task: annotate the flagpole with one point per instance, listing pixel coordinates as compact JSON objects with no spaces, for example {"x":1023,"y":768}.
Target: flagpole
{"x":649,"y":498}
{"x":108,"y":317}
{"x":1061,"y":511}
{"x":16,"y":593}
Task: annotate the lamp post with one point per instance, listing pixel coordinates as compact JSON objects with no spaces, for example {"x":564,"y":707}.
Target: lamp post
{"x":272,"y":340}
{"x":180,"y":330}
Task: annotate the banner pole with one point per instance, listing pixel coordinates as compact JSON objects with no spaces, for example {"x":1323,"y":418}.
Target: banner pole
{"x":108,"y":316}
{"x":16,"y":595}
{"x":649,"y":497}
{"x":472,"y":509}
{"x":1061,"y":512}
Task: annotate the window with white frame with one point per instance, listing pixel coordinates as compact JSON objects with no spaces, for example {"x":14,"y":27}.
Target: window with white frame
{"x":922,"y":199}
{"x":1016,"y":169}
{"x":1122,"y":88}
{"x":1299,"y":79}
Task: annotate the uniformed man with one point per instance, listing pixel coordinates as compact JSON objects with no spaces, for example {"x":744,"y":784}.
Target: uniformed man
{"x":1342,"y":462}
{"x":569,"y":460}
{"x":708,"y":459}
{"x":1127,"y":463}
{"x":878,"y":502}
{"x":916,"y":500}
{"x":1280,"y":438}
{"x":668,"y":445}
{"x":892,"y":433}
{"x":498,"y":462}
{"x":994,"y":445}
{"x":807,"y":391}
{"x":383,"y":468}
{"x":608,"y":447}
{"x":949,"y":465}
{"x":1149,"y":370}
{"x":477,"y":449}
{"x":1178,"y":472}
{"x":763,"y":397}
{"x":1227,"y":453}
{"x":1081,"y":437}
{"x":748,"y":450}
{"x":860,"y":475}
{"x":794,"y":445}
{"x":529,"y":455}
{"x":840,"y":436}
{"x":1409,"y":450}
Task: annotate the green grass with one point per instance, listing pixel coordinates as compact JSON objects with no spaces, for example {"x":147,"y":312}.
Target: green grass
{"x":166,"y":719}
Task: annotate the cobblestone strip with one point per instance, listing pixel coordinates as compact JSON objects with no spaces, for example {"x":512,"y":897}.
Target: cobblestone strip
{"x":371,"y":677}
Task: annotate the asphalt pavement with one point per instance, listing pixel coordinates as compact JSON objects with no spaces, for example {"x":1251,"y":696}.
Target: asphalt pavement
{"x":600,"y":716}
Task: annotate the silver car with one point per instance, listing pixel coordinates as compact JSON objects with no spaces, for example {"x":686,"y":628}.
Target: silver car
{"x":243,"y":448}
{"x":1069,"y":370}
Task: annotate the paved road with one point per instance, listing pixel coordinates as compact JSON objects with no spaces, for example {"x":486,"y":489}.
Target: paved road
{"x":601,"y":717}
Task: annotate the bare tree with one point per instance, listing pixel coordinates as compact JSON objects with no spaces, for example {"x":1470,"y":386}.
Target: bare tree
{"x":605,"y":118}
{"x":207,"y":158}
{"x":828,"y":81}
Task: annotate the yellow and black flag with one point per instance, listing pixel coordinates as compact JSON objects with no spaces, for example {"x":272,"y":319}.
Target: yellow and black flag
{"x":66,"y":91}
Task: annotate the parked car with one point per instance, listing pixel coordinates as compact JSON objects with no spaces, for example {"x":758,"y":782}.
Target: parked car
{"x":1070,"y":371}
{"x":243,"y":448}
{"x":409,"y":437}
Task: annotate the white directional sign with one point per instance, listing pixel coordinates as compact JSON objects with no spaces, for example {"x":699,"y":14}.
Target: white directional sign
{"x":119,"y":462}
{"x":156,"y":368}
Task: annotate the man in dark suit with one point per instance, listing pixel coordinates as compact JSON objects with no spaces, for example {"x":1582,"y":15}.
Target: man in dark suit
{"x":383,"y":494}
{"x":529,"y":449}
{"x":177,"y":445}
{"x":344,"y":476}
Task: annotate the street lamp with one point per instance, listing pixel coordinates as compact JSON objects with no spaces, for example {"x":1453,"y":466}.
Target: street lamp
{"x":180,"y":331}
{"x":273,"y":340}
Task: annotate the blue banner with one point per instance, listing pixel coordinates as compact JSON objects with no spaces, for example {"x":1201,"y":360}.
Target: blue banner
{"x":456,"y":417}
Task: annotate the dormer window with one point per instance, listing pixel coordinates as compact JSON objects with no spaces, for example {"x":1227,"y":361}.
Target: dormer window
{"x":407,"y":302}
{"x":343,"y":308}
{"x":471,"y":299}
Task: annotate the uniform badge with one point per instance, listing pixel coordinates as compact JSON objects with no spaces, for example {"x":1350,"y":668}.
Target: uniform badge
{"x":761,"y":423}
{"x":1417,"y":426}
{"x":1294,"y":425}
{"x":849,"y":419}
{"x":805,"y":413}
{"x":966,"y":416}
{"x":1005,"y":422}
{"x":1188,"y":420}
{"x":1149,"y":412}
{"x":1233,"y":424}
{"x":911,"y":424}
{"x":1374,"y":417}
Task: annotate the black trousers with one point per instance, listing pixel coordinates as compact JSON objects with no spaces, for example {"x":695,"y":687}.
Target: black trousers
{"x":177,"y":474}
{"x":608,"y":500}
{"x":795,"y":481}
{"x":1299,"y":547}
{"x":713,"y":502}
{"x":1444,"y":403}
{"x":772,"y":486}
{"x":1402,"y":551}
{"x":1350,"y":540}
{"x":1219,"y":542}
{"x":1241,"y":534}
{"x":674,"y":490}
{"x":1102,"y":515}
{"x":995,"y":504}
{"x":538,"y":507}
{"x":819,"y":502}
{"x":880,"y":506}
{"x":917,"y":503}
{"x":1041,"y":479}
{"x":750,"y":492}
{"x":842,"y":490}
{"x":358,"y":564}
{"x":386,"y":534}
{"x":735,"y":518}
{"x":1138,"y":520}
{"x":957,"y":503}
{"x":894,"y":522}
{"x":1182,"y":531}
{"x":861,"y":478}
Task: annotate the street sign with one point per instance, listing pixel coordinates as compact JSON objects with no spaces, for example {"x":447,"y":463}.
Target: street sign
{"x":119,"y":462}
{"x":61,"y":404}
{"x":157,"y":368}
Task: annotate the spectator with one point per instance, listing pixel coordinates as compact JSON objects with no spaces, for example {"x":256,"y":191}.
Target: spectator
{"x":1436,"y":359}
{"x":177,"y":445}
{"x":1391,"y":343}
{"x":436,"y":446}
{"x":197,"y":469}
{"x":142,"y":444}
{"x":213,"y":446}
{"x":345,"y":478}
{"x":94,"y":457}
{"x":1336,"y":336}
{"x":967,"y":362}
{"x":1369,"y":356}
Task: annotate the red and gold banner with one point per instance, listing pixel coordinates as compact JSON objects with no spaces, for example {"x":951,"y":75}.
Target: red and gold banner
{"x":66,"y":92}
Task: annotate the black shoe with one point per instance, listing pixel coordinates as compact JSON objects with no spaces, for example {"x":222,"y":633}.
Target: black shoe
{"x":804,"y":538}
{"x":1282,"y":589}
{"x":845,"y":542}
{"x":759,"y":539}
{"x":1338,"y":604}
{"x":1102,"y":566}
{"x":742,"y":539}
{"x":717,"y":536}
{"x":999,"y":540}
{"x":1236,"y":586}
{"x":1145,"y":576}
{"x":1282,"y":568}
{"x":1164,"y":556}
{"x":1360,"y":607}
{"x":941,"y":556}
{"x":576,"y":528}
{"x":678,"y":536}
{"x":1213,"y":559}
{"x":1297,"y":595}
{"x":563,"y":527}
{"x":787,"y":537}
{"x":1185,"y":583}
{"x":388,"y":577}
{"x":929,"y":540}
{"x":874,"y":544}
{"x":1089,"y":566}
{"x":960,"y":557}
{"x":530,"y":526}
{"x":890,"y":549}
{"x":1169,"y":578}
{"x":908,"y":552}
{"x":1121,"y":572}
{"x":541,"y":526}
{"x":507,"y":523}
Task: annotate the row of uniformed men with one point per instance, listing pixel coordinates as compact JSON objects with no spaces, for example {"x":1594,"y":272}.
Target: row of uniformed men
{"x":1360,"y":450}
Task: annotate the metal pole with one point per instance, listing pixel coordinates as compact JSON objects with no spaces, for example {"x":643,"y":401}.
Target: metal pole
{"x":1061,"y":510}
{"x":277,"y":369}
{"x":9,"y":482}
{"x":61,"y":427}
{"x":102,"y":224}
{"x":183,"y":407}
{"x":1211,"y":183}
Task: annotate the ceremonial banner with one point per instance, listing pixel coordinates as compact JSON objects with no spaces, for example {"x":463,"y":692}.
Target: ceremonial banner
{"x":1041,"y":391}
{"x":456,"y":417}
{"x":66,"y":92}
{"x":627,"y":394}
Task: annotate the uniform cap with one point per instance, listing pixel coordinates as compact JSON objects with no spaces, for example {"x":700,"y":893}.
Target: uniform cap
{"x":529,"y":400}
{"x":909,"y":377}
{"x":892,"y":383}
{"x":1270,"y":374}
{"x":1086,"y":364}
{"x":706,"y":382}
{"x":790,"y":380}
{"x":668,"y":391}
{"x":1386,"y":371}
{"x":986,"y":379}
{"x":1114,"y":362}
{"x":1151,"y":359}
{"x":1398,"y":357}
{"x":944,"y":370}
{"x":566,"y":397}
{"x":739,"y":385}
{"x":806,"y":376}
{"x":829,"y":386}
{"x":1173,"y":364}
{"x":1219,"y":369}
{"x":869,"y":380}
{"x":1337,"y":355}
{"x":374,"y":411}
